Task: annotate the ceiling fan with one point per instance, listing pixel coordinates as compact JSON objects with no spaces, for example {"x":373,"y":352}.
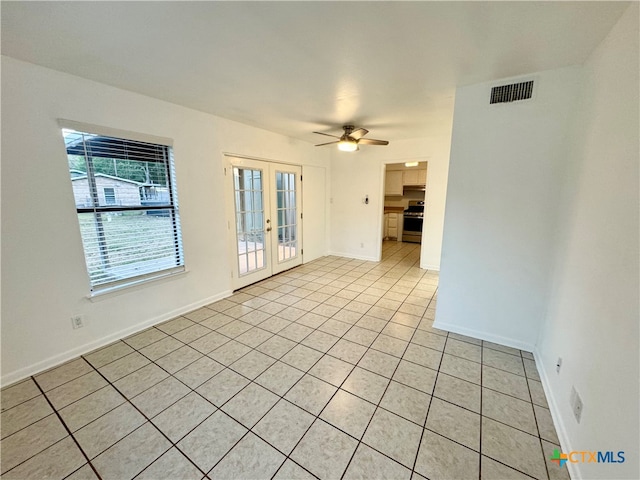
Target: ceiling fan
{"x":351,"y":138}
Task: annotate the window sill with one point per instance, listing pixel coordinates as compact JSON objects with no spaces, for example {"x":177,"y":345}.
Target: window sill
{"x":108,"y":292}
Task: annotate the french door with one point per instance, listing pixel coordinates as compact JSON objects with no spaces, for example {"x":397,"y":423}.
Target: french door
{"x":266,"y":228}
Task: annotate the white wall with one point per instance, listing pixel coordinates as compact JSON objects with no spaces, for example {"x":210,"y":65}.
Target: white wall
{"x":354,"y":175}
{"x":593,"y":316}
{"x":315,"y":186}
{"x":541,"y":239}
{"x":44,"y":280}
{"x":501,"y":200}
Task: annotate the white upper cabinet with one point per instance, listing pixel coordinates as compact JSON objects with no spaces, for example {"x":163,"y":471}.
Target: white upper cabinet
{"x":415,"y":177}
{"x":393,"y":182}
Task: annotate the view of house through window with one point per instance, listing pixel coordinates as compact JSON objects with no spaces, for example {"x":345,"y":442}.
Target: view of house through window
{"x":126,"y":201}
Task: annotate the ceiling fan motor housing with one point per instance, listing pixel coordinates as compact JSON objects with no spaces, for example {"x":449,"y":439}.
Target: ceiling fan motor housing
{"x":351,"y":138}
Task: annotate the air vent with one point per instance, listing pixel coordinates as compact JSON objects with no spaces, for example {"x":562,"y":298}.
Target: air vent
{"x":511,"y":93}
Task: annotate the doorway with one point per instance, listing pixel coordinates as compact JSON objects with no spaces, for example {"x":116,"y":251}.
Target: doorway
{"x":264,"y":218}
{"x":404,"y":201}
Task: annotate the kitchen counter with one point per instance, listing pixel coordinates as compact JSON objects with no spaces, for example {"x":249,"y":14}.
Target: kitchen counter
{"x":393,"y":209}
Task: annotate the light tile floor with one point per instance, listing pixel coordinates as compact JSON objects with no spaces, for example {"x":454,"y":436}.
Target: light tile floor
{"x":330,"y":370}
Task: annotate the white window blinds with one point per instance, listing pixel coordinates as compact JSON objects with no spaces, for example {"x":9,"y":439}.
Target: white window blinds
{"x":127,"y":207}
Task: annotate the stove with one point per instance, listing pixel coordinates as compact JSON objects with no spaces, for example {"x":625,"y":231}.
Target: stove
{"x":413,"y":218}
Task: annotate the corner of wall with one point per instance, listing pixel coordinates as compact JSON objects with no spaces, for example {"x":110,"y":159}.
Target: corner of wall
{"x":556,"y":415}
{"x":592,"y":313}
{"x":483,"y":335}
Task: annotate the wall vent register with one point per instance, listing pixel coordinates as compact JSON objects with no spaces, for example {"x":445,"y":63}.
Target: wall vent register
{"x":512,"y":92}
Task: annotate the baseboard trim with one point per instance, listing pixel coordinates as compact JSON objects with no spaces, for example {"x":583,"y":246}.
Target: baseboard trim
{"x":433,"y":268}
{"x":355,"y":257}
{"x":489,"y":337}
{"x":565,"y":444}
{"x":55,"y":360}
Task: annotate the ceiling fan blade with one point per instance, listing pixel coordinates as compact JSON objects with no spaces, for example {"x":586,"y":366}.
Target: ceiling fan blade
{"x":371,"y":141}
{"x":359,"y":133}
{"x":328,"y":143}
{"x":327,"y":134}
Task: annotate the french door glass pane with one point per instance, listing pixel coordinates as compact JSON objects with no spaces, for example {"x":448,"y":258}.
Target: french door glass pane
{"x":287,"y":216}
{"x":250,"y":232}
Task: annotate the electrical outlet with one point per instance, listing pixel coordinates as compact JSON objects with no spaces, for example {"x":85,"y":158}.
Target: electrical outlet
{"x":362,"y":245}
{"x":77,"y":321}
{"x":576,"y":404}
{"x":558,"y":365}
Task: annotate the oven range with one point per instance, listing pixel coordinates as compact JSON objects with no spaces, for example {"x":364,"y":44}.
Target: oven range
{"x":413,"y":218}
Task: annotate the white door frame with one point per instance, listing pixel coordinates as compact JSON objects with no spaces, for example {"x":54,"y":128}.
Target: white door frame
{"x":383,"y":170}
{"x":273,"y":257}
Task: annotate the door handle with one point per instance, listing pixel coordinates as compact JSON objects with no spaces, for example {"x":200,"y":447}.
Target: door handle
{"x":269,"y":229}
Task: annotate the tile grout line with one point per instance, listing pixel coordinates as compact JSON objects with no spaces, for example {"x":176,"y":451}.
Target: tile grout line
{"x":365,"y":279}
{"x":316,"y":417}
{"x":441,"y":358}
{"x":535,"y":417}
{"x":217,"y":408}
{"x":136,"y":370}
{"x":380,"y":400}
{"x":64,"y":424}
{"x":207,"y":354}
{"x":167,"y":372}
{"x":481,"y":411}
{"x":148,"y":420}
{"x":220,"y":408}
{"x":424,"y":427}
{"x":506,"y":424}
{"x":482,"y":416}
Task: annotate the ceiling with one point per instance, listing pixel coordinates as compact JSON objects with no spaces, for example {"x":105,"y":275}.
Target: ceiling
{"x":296,"y":67}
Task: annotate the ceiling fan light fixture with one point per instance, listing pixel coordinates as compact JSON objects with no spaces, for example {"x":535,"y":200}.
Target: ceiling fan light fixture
{"x":351,"y":139}
{"x":347,"y":145}
{"x":410,"y":164}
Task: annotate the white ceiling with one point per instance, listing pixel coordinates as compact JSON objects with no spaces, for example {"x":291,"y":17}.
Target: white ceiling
{"x":296,"y":67}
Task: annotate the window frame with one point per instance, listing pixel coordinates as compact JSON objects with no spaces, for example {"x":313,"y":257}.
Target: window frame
{"x":98,"y":209}
{"x":111,"y":198}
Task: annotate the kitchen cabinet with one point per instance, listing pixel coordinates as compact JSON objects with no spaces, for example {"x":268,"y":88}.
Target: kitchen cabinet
{"x":393,"y":182}
{"x":414,"y":177}
{"x":392,"y":226}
